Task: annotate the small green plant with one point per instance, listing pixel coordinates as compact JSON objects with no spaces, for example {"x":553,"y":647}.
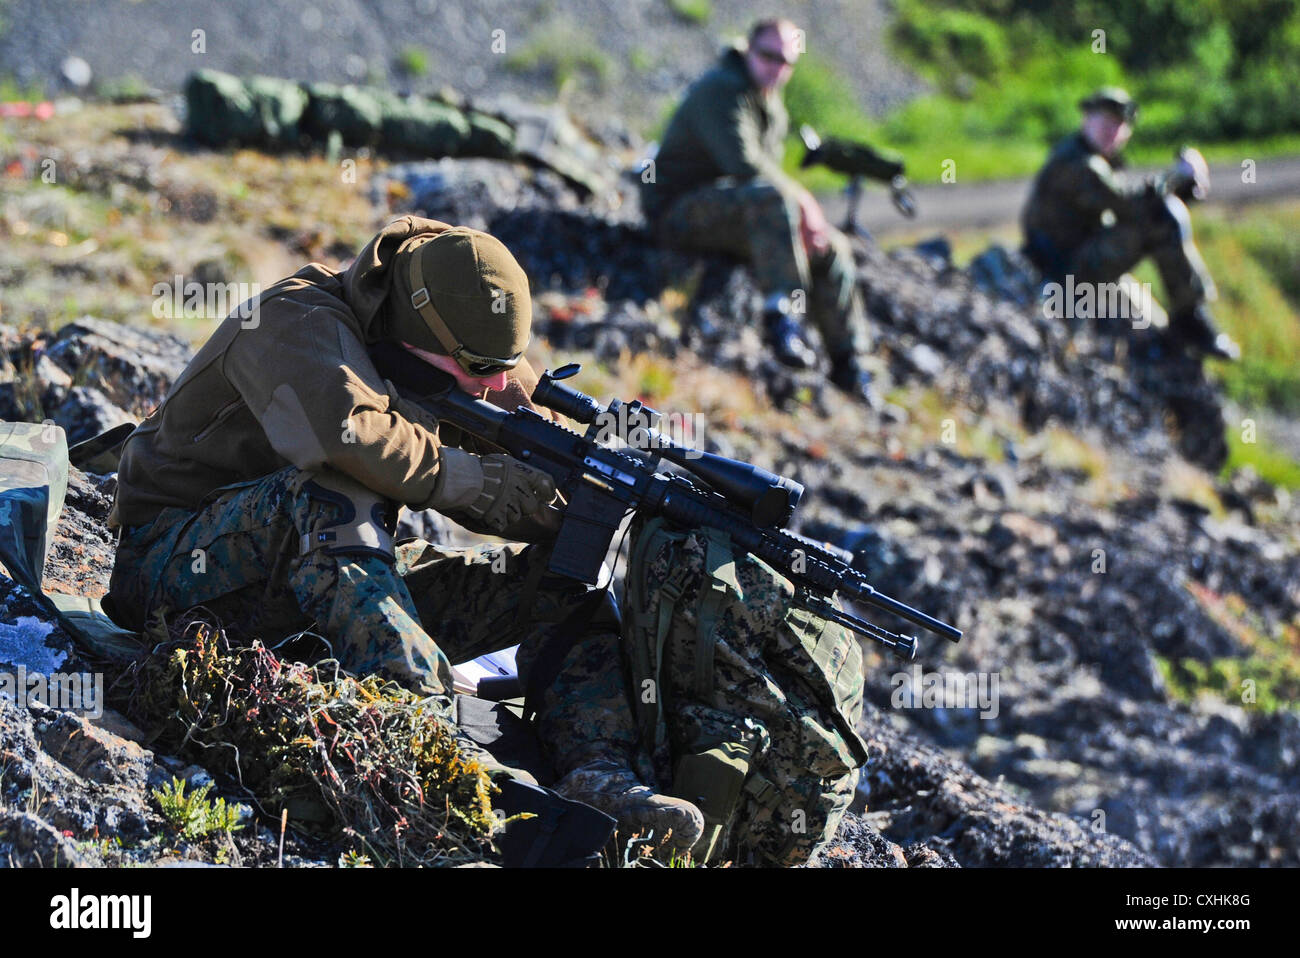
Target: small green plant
{"x":11,"y":89}
{"x":354,"y":859}
{"x":692,"y":11}
{"x":413,"y":61}
{"x":192,"y":816}
{"x":128,"y":88}
{"x":640,"y":60}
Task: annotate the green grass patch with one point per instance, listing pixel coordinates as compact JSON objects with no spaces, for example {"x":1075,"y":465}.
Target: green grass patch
{"x":12,"y":91}
{"x":564,"y":52}
{"x":1274,"y":681}
{"x":692,"y":11}
{"x":1008,"y":75}
{"x":1269,"y":462}
{"x":1266,"y":676}
{"x":640,"y":60}
{"x":413,"y":61}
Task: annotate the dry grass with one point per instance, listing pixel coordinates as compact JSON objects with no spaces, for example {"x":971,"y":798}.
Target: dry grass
{"x":362,"y":761}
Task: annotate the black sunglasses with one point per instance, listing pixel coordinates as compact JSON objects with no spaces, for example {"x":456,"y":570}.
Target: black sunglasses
{"x":481,"y":367}
{"x":772,"y":56}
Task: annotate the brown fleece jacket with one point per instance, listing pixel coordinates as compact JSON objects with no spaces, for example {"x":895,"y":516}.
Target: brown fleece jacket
{"x":293,"y":384}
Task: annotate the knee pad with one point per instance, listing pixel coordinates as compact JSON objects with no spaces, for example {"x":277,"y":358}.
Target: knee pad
{"x":365,"y":522}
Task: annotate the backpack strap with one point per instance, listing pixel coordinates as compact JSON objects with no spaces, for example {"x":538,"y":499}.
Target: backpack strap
{"x":648,"y":633}
{"x":720,"y":566}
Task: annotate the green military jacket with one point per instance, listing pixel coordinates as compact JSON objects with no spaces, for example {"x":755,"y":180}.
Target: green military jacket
{"x":1071,"y":197}
{"x":725,"y":127}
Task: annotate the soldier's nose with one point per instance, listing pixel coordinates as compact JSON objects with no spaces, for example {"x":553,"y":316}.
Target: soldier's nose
{"x":495,"y":383}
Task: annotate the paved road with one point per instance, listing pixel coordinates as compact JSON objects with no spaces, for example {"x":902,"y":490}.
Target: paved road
{"x":993,"y":204}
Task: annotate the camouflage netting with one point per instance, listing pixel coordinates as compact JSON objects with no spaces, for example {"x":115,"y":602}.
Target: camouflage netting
{"x":366,"y":761}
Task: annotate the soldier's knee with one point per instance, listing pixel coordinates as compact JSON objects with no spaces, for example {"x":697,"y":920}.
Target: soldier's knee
{"x":772,"y":204}
{"x":340,"y":516}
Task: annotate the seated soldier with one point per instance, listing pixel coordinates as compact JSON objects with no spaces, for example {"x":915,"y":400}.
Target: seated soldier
{"x":717,"y":186}
{"x":1088,"y":219}
{"x":264,"y":489}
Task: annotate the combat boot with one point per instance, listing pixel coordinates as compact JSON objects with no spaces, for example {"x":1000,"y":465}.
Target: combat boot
{"x":1198,"y":332}
{"x":617,"y":791}
{"x":848,"y":376}
{"x":786,"y":338}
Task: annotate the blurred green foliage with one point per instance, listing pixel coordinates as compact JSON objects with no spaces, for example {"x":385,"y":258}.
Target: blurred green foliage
{"x":1202,"y":69}
{"x":565,"y":52}
{"x":413,"y":61}
{"x":1008,"y":75}
{"x":692,"y":11}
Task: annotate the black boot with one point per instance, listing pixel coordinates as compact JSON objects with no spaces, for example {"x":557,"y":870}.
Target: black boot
{"x":1197,"y":329}
{"x":848,"y":375}
{"x":786,"y":340}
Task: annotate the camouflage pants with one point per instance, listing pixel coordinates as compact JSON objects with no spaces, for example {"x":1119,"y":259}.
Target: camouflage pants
{"x":780,"y":684}
{"x":1165,"y":236}
{"x":739,"y":672}
{"x":756,"y":222}
{"x":240,"y":556}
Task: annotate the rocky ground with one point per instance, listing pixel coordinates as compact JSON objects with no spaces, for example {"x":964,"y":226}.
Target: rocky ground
{"x":1053,"y":492}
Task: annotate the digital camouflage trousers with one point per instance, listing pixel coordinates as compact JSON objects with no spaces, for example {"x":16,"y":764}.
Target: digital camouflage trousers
{"x":756,"y":222}
{"x":733,"y":698}
{"x":406,"y":617}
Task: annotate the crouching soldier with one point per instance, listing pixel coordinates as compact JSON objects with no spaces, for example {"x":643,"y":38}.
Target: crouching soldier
{"x":280,"y":456}
{"x":1089,"y":219}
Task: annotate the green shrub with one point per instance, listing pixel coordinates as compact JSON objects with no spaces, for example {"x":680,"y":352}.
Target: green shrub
{"x":192,"y":816}
{"x":948,"y":42}
{"x":1201,"y":70}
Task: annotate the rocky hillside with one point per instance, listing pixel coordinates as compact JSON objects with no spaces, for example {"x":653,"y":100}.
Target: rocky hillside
{"x":628,"y":59}
{"x":1053,"y":492}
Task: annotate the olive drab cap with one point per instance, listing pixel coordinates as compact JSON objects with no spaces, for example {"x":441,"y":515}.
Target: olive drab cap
{"x":463,"y":285}
{"x":1113,"y":98}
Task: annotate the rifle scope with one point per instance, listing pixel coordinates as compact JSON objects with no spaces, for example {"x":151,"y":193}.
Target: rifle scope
{"x":769,"y":498}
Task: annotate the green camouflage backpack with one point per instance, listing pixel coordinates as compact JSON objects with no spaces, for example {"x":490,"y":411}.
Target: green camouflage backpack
{"x":748,"y":703}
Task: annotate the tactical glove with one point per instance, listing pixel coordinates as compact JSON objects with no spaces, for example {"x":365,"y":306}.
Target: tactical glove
{"x":494,"y":491}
